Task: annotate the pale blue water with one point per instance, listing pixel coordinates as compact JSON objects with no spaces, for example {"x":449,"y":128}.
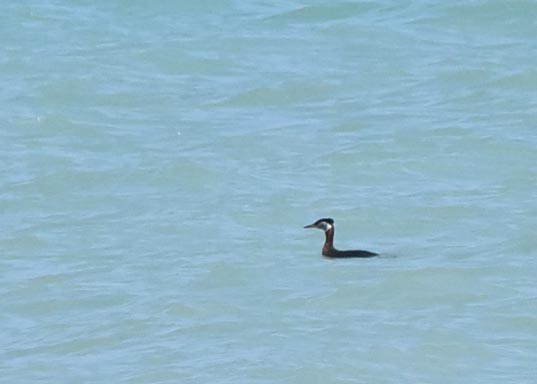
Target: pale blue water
{"x":159,"y":160}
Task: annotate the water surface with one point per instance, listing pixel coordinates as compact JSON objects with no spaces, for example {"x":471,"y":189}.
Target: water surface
{"x":160,"y":161}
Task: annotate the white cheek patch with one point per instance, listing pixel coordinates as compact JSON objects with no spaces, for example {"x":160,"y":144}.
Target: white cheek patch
{"x":325,"y":226}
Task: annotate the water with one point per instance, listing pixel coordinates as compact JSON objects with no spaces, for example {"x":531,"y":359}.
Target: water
{"x":161,"y":158}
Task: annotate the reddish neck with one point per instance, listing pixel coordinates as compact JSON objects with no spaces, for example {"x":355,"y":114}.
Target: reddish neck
{"x":328,"y":247}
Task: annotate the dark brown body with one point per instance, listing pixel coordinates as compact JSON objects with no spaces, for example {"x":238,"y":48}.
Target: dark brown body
{"x":331,"y":252}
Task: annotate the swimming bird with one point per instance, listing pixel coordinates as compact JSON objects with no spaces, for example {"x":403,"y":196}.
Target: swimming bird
{"x":327,"y":225}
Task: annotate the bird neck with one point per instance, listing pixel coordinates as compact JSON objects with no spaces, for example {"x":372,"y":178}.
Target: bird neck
{"x":328,"y":247}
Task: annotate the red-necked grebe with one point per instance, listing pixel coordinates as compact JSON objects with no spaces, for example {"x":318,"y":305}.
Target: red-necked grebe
{"x":327,"y":225}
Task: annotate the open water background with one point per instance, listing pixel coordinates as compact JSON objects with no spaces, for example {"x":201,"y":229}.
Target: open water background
{"x":159,"y":160}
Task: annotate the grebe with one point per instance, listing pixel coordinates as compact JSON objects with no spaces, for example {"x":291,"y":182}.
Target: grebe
{"x":327,"y":225}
